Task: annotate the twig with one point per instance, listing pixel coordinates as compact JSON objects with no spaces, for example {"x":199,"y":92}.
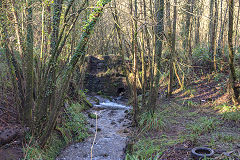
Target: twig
{"x":94,"y":136}
{"x":4,"y":121}
{"x":27,"y":148}
{"x":7,"y":109}
{"x":2,"y":114}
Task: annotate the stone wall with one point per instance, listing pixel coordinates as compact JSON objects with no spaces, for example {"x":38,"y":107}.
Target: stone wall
{"x":104,"y":76}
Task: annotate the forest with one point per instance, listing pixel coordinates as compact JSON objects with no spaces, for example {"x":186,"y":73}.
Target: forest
{"x":119,"y":79}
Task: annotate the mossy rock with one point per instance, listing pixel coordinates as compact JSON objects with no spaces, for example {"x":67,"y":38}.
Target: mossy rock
{"x":92,"y":116}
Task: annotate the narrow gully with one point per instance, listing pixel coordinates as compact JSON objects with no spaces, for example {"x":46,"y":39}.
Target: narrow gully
{"x":112,"y":135}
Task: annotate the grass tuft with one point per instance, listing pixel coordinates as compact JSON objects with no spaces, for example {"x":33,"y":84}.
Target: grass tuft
{"x":229,"y":112}
{"x":203,"y":125}
{"x":227,"y":138}
{"x":145,"y":149}
{"x":150,"y":121}
{"x":33,"y":152}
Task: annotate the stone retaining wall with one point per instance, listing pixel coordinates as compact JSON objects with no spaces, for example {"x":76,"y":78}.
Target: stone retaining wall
{"x":104,"y":76}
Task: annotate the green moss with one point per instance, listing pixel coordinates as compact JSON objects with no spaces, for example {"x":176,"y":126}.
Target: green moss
{"x":77,"y":108}
{"x":74,"y":125}
{"x":72,"y":128}
{"x":83,"y":98}
{"x":51,"y":150}
{"x":99,"y":93}
{"x":54,"y":146}
{"x":92,"y":116}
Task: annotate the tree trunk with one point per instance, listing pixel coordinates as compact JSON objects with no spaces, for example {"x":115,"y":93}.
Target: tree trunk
{"x":172,"y":50}
{"x":236,"y":32}
{"x":14,"y":66}
{"x":169,"y":38}
{"x":221,"y":44}
{"x":135,"y":101}
{"x":197,"y":27}
{"x":232,"y":77}
{"x":188,"y":44}
{"x":159,"y":28}
{"x":212,"y":29}
{"x":215,"y":27}
{"x":144,"y":66}
{"x":18,"y":29}
{"x":29,"y":67}
{"x":211,"y":20}
{"x":78,"y":53}
{"x":120,"y":44}
{"x":46,"y":100}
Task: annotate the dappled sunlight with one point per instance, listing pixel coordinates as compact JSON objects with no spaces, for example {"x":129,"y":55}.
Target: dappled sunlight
{"x":115,"y":79}
{"x":226,"y":108}
{"x":189,"y":124}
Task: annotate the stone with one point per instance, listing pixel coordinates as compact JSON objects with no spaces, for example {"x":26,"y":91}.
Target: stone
{"x":103,"y":75}
{"x":8,"y":135}
{"x":113,"y":123}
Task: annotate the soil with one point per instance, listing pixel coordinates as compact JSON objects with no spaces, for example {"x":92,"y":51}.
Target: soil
{"x":197,"y":101}
{"x":186,"y":107}
{"x":11,"y":132}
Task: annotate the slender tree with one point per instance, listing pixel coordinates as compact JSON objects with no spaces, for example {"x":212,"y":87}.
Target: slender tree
{"x":27,"y":108}
{"x":159,"y":9}
{"x":221,"y":44}
{"x":210,"y":25}
{"x":51,"y":81}
{"x":197,"y":23}
{"x":135,"y":44}
{"x":213,"y":31}
{"x":145,"y":41}
{"x":232,"y":77}
{"x":169,"y":39}
{"x":236,"y":32}
{"x":172,"y":49}
{"x":188,"y":29}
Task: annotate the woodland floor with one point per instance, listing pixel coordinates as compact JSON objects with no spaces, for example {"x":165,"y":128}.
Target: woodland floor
{"x":11,"y":132}
{"x":192,"y":118}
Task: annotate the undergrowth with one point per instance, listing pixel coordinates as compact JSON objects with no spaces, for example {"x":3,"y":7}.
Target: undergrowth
{"x":198,"y":128}
{"x":32,"y":151}
{"x":150,"y":148}
{"x":203,"y":125}
{"x":71,"y":128}
{"x":145,"y":149}
{"x":74,"y":123}
{"x":151,"y":121}
{"x":229,"y":112}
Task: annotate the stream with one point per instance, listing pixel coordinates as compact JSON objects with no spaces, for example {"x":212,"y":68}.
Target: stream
{"x":112,"y":134}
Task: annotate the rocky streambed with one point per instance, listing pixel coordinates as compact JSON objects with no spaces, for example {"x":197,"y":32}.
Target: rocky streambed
{"x":113,"y":129}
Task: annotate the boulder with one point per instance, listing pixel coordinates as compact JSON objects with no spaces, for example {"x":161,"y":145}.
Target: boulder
{"x":8,"y":135}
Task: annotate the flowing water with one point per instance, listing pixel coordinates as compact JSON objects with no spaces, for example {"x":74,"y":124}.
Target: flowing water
{"x":112,"y":133}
